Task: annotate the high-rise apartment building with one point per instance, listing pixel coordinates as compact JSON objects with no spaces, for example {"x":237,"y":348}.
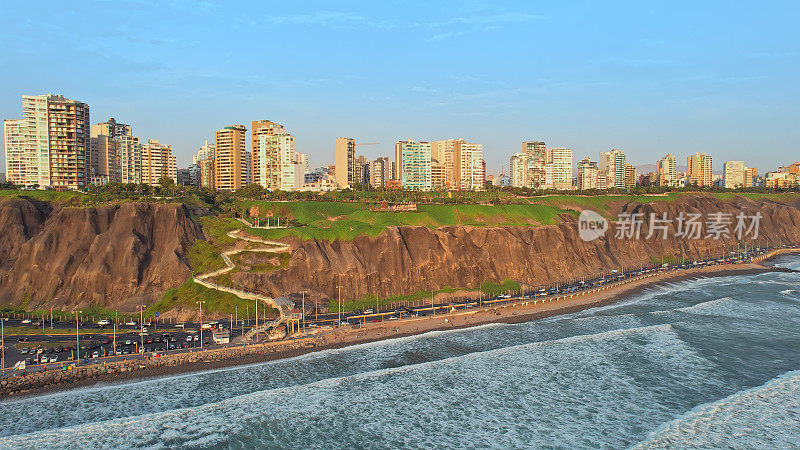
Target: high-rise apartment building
{"x":158,"y":162}
{"x":206,"y":151}
{"x":611,"y":170}
{"x":345,"y":161}
{"x":207,"y":178}
{"x":104,"y":160}
{"x":587,"y":174}
{"x":516,"y":168}
{"x":261,"y":128}
{"x":667,"y":174}
{"x":21,"y":163}
{"x":280,"y":166}
{"x":381,"y":172}
{"x":413,"y":164}
{"x":630,"y":176}
{"x":558,"y":168}
{"x":750,"y":176}
{"x":444,"y":152}
{"x":49,"y":146}
{"x":733,"y":174}
{"x":535,"y":160}
{"x":698,"y":170}
{"x":111,"y":128}
{"x":230,"y":159}
{"x":130,"y":159}
{"x":468,"y":166}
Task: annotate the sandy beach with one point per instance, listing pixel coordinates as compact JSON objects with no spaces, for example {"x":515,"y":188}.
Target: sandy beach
{"x":519,"y":311}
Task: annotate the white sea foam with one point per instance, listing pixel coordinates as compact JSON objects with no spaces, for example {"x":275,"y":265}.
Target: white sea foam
{"x":513,"y":396}
{"x":766,"y":416}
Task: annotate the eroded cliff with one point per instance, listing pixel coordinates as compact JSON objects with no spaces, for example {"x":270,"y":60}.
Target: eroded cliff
{"x":111,"y":256}
{"x":404,"y":260}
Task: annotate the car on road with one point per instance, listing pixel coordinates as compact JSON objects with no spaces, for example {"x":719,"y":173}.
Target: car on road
{"x":179,"y":325}
{"x":189,"y":338}
{"x":196,"y":338}
{"x":95,"y":354}
{"x":131,"y":323}
{"x":103,"y":322}
{"x":127,"y":342}
{"x":26,"y":321}
{"x":54,"y":358}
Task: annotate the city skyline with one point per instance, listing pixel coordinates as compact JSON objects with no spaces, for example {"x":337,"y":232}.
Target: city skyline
{"x":664,"y":80}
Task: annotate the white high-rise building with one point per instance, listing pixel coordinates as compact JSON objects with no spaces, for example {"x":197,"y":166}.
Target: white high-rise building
{"x":733,"y":174}
{"x":277,"y":151}
{"x":587,"y":174}
{"x":611,"y":170}
{"x":206,"y":151}
{"x":49,"y":146}
{"x":130,"y":159}
{"x":558,"y":168}
{"x":516,"y":166}
{"x":468,"y":165}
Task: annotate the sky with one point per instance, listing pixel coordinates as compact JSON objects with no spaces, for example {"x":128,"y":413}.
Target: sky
{"x":646,"y":77}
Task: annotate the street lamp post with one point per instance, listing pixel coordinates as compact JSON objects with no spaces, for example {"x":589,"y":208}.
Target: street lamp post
{"x":200,"y":302}
{"x":141,"y":328}
{"x":3,"y":346}
{"x":77,"y":338}
{"x":304,"y":311}
{"x":340,"y":306}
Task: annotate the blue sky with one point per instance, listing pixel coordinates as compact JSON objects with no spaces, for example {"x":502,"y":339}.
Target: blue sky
{"x":646,"y":77}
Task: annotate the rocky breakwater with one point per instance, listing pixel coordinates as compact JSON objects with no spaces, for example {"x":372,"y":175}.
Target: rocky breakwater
{"x":113,"y":256}
{"x":150,"y":365}
{"x":406,"y":259}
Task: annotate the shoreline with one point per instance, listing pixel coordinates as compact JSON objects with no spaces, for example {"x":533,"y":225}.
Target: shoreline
{"x":517,"y":312}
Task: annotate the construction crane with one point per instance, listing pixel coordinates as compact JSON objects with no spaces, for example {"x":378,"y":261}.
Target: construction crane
{"x":367,"y":143}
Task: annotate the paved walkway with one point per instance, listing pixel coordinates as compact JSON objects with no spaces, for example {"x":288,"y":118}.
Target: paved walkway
{"x":269,"y":246}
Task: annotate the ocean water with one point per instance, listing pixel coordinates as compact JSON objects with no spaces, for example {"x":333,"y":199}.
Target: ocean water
{"x":708,"y":362}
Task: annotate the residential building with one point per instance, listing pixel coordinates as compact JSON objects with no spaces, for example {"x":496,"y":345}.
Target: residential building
{"x":630,"y":176}
{"x":437,"y":175}
{"x":611,"y":170}
{"x":49,"y":146}
{"x":258,"y":165}
{"x":206,"y":151}
{"x":535,"y":160}
{"x":207,"y":178}
{"x":280,"y":166}
{"x":587,"y":174}
{"x":784,"y":177}
{"x":558,"y":168}
{"x":129,"y":151}
{"x":750,"y":176}
{"x":516,"y":166}
{"x":468,"y":166}
{"x":667,"y":174}
{"x":230,"y":159}
{"x":158,"y":162}
{"x":413,"y":164}
{"x":104,"y":160}
{"x":362,"y":170}
{"x":22,"y":166}
{"x":345,"y":161}
{"x":733,"y":174}
{"x":111,"y":128}
{"x":698,"y":170}
{"x":381,"y":172}
{"x":444,"y":152}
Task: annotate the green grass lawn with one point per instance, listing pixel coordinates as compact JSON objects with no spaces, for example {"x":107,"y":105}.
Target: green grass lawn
{"x":189,"y":293}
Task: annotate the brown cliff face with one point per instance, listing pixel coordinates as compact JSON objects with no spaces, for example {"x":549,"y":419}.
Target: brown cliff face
{"x":403,"y":260}
{"x":112,"y":256}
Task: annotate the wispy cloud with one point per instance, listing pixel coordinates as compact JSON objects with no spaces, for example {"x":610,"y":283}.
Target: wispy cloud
{"x":445,"y":35}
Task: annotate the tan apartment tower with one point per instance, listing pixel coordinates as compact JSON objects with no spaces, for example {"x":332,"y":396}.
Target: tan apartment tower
{"x":698,"y":170}
{"x":344,"y":149}
{"x":230,"y":160}
{"x":667,"y":174}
